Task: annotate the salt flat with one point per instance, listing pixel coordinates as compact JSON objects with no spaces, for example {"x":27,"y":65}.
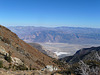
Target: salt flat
{"x":65,"y":49}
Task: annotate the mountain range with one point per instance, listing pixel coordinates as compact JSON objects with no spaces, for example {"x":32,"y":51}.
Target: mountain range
{"x":73,"y":35}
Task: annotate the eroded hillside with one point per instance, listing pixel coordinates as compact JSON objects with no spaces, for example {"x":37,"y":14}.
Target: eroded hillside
{"x":21,"y":52}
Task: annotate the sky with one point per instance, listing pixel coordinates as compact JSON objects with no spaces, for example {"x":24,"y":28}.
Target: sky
{"x":50,"y":13}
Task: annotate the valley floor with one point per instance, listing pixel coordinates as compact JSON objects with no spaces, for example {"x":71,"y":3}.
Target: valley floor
{"x":65,"y":49}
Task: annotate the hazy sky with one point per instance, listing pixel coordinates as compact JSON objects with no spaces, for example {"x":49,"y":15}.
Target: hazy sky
{"x":77,"y":13}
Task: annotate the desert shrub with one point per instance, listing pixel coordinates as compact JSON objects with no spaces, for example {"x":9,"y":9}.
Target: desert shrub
{"x":40,"y":63}
{"x":30,"y":67}
{"x":1,"y":64}
{"x":6,"y":68}
{"x":92,"y":63}
{"x":34,"y":69}
{"x":58,"y":62}
{"x":1,"y":37}
{"x":20,"y":67}
{"x":6,"y":40}
{"x":64,"y":72}
{"x":8,"y":58}
{"x":75,"y":69}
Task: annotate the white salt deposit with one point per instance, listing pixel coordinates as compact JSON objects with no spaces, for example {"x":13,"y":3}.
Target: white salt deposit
{"x":61,"y":53}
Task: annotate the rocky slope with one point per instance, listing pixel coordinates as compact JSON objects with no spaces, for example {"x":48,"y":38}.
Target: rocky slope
{"x":84,"y":54}
{"x":35,"y":72}
{"x":16,"y":52}
{"x":85,"y":61}
{"x":41,"y":49}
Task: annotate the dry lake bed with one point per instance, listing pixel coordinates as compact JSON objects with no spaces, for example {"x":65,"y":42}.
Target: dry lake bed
{"x":65,"y":49}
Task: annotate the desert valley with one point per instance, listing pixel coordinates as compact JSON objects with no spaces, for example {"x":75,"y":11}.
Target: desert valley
{"x":49,"y":37}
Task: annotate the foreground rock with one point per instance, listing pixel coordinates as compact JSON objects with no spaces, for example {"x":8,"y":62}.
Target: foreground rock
{"x":35,"y":72}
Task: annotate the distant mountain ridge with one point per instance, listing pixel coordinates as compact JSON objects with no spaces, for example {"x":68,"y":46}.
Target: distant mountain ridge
{"x":75,"y":35}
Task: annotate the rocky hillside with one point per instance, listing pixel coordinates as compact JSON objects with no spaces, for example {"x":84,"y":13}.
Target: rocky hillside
{"x":84,"y":54}
{"x":27,"y":72}
{"x":41,"y":49}
{"x":15,"y":53}
{"x":74,"y":35}
{"x":85,"y":61}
